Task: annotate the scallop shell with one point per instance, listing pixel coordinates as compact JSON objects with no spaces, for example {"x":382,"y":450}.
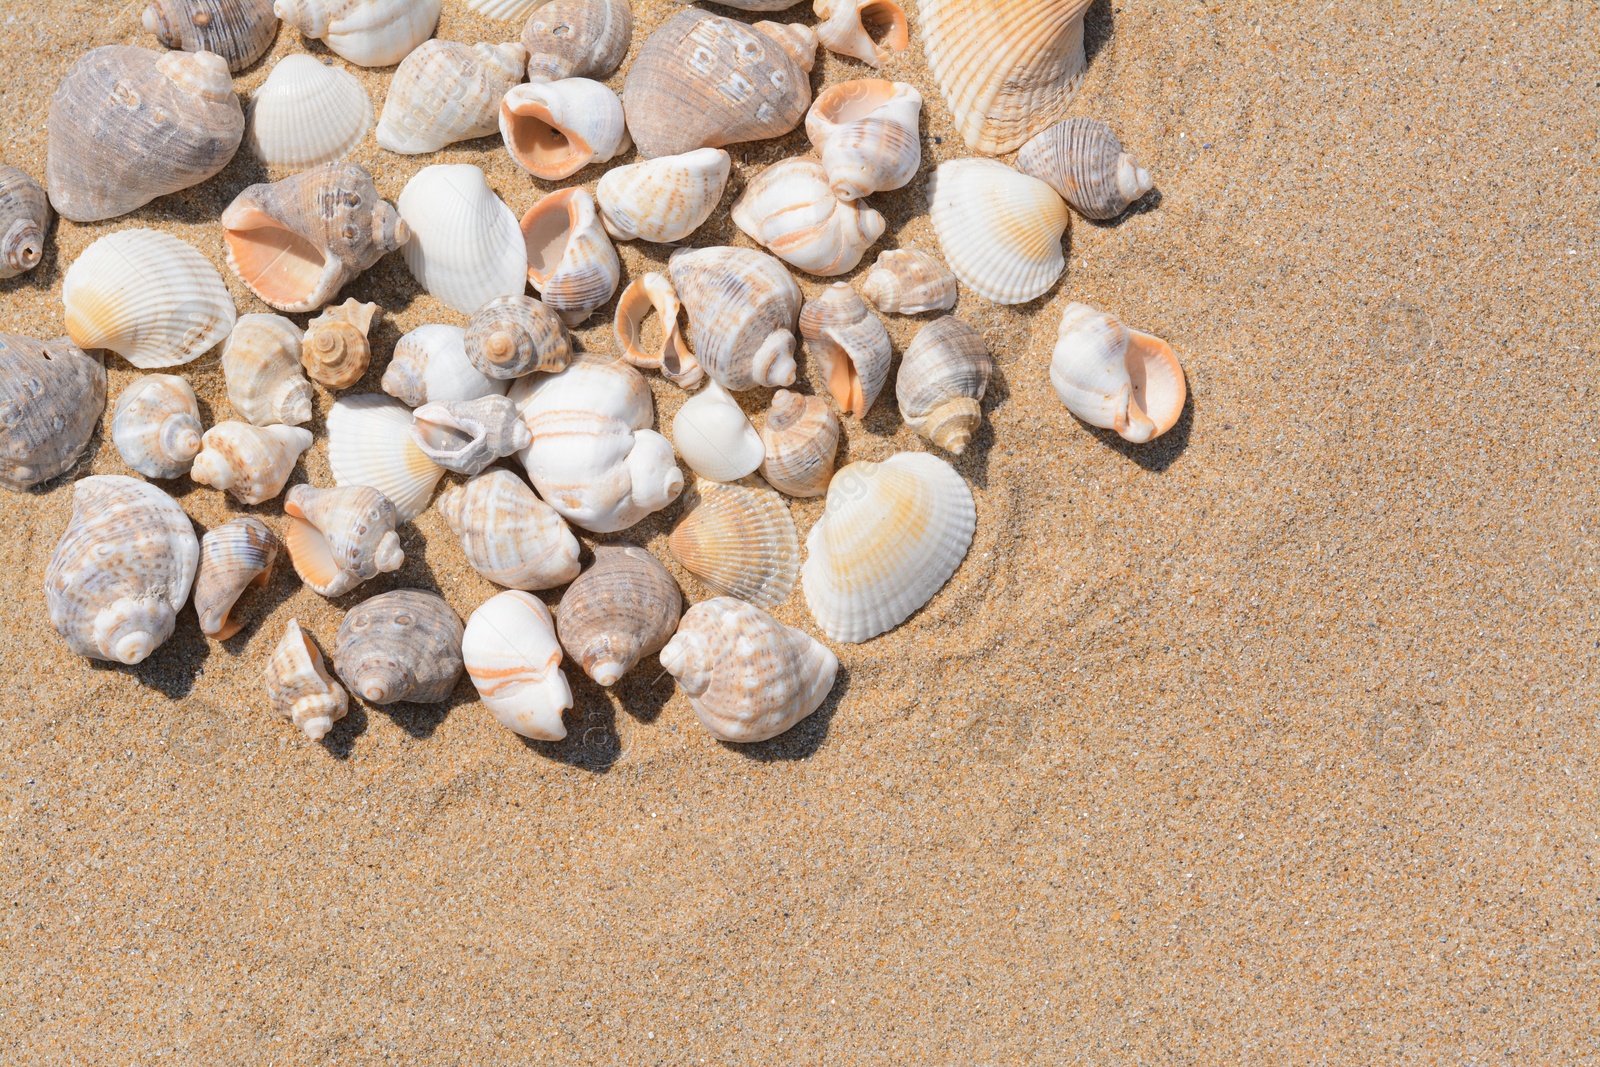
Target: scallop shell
{"x":147,"y":296}
{"x":713,"y":436}
{"x":790,"y":210}
{"x":1083,"y":161}
{"x":555,"y":129}
{"x":446,"y":92}
{"x":335,"y":350}
{"x":466,"y":436}
{"x":300,"y":687}
{"x":128,"y":125}
{"x":156,"y":426}
{"x":430,"y":364}
{"x":577,"y":38}
{"x":800,"y":440}
{"x":465,"y":247}
{"x":514,"y":661}
{"x":262,"y":368}
{"x":235,"y":557}
{"x":339,"y":538}
{"x":505,"y":10}
{"x":24,"y":220}
{"x":908,"y":282}
{"x":515,"y":335}
{"x":369,"y":443}
{"x":122,"y":570}
{"x":402,"y":645}
{"x":51,"y":397}
{"x":869,"y":30}
{"x":1116,"y":378}
{"x":941,"y":383}
{"x":369,"y":33}
{"x":508,"y":535}
{"x":1000,"y":230}
{"x":654,"y":293}
{"x":253,"y":463}
{"x":867,"y":134}
{"x":748,"y":676}
{"x":240,"y":31}
{"x":663,"y":200}
{"x":850,"y":346}
{"x":307,"y":112}
{"x":619,"y":611}
{"x":742,"y":311}
{"x":570,"y":259}
{"x":740,"y":541}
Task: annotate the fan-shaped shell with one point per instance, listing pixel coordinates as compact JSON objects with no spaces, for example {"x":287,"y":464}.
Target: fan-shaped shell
{"x":51,"y":397}
{"x":941,"y":383}
{"x":339,"y":538}
{"x":866,"y":133}
{"x":570,"y":259}
{"x":430,"y":363}
{"x":370,"y":443}
{"x":1083,"y":161}
{"x":1000,"y":230}
{"x":240,"y":31}
{"x":369,"y":33}
{"x":1116,"y":378}
{"x":800,"y":440}
{"x":299,"y":686}
{"x":653,"y":293}
{"x":235,"y":557}
{"x":555,"y":129}
{"x":868,"y":30}
{"x":446,"y":92}
{"x":402,"y":645}
{"x":712,"y":435}
{"x":790,"y":210}
{"x":253,"y":463}
{"x":515,"y":335}
{"x":24,"y":220}
{"x":465,"y":436}
{"x":335,"y":350}
{"x":514,"y":661}
{"x":850,"y":346}
{"x":577,"y":38}
{"x":906,"y":281}
{"x":156,"y":426}
{"x":465,"y":248}
{"x":742,"y":307}
{"x":619,"y":611}
{"x":663,"y":200}
{"x":262,"y":368}
{"x":307,"y":112}
{"x":508,"y":535}
{"x":505,"y":9}
{"x":755,"y":5}
{"x":740,"y":541}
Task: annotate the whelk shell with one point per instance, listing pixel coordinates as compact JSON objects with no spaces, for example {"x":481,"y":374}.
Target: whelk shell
{"x":868,"y":30}
{"x":654,"y":293}
{"x":1116,"y":378}
{"x":941,"y":383}
{"x":430,"y":363}
{"x":712,"y":435}
{"x":466,"y":436}
{"x":307,"y":112}
{"x":555,"y":129}
{"x":235,"y":557}
{"x":577,"y":38}
{"x":1083,"y":161}
{"x":369,"y":33}
{"x":446,"y":92}
{"x":335,"y":350}
{"x":867,"y":135}
{"x":240,"y":31}
{"x":906,"y":281}
{"x":51,"y":397}
{"x":339,"y":538}
{"x":262,"y":368}
{"x":663,"y":200}
{"x":800,"y":440}
{"x":402,"y":645}
{"x":619,"y":611}
{"x":300,"y":687}
{"x":508,"y":535}
{"x":570,"y":259}
{"x":740,"y":541}
{"x":515,"y":335}
{"x":369,"y":443}
{"x":24,"y":218}
{"x":514,"y":661}
{"x":156,"y":426}
{"x":251,"y":462}
{"x":1000,"y":230}
{"x":465,"y":247}
{"x":790,"y":210}
{"x":742,"y":309}
{"x":850,"y":345}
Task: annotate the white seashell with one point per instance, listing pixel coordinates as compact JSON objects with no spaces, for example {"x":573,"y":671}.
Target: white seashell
{"x":740,"y":541}
{"x":307,"y":112}
{"x":654,"y":293}
{"x":801,"y":439}
{"x":908,"y":282}
{"x":446,"y":92}
{"x":510,"y":536}
{"x":430,"y":364}
{"x":400,"y":645}
{"x":868,"y":30}
{"x":300,"y":687}
{"x":262,"y":368}
{"x":742,"y":309}
{"x":369,"y":33}
{"x":505,"y":10}
{"x":867,"y":135}
{"x":465,"y":247}
{"x":577,"y":39}
{"x":339,"y":538}
{"x":514,"y":660}
{"x":850,"y":345}
{"x":253,"y":463}
{"x":620,"y":610}
{"x":51,"y":397}
{"x":892,"y":535}
{"x":1116,"y":378}
{"x":466,"y":436}
{"x":240,"y":31}
{"x":713,"y":436}
{"x":555,"y":129}
{"x":941,"y":383}
{"x":369,"y":443}
{"x":236,"y":556}
{"x":663,"y":200}
{"x":515,"y":335}
{"x":791,"y":210}
{"x":1000,"y":230}
{"x":156,"y":426}
{"x":571,"y":261}
{"x":1083,"y":161}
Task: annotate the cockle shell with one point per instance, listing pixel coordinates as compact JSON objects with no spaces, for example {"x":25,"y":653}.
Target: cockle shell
{"x":465,"y":247}
{"x":742,"y":311}
{"x":466,"y":436}
{"x":51,"y":397}
{"x":402,"y":645}
{"x":850,"y":346}
{"x":1000,"y":230}
{"x":505,"y":9}
{"x":514,"y":661}
{"x":515,"y":335}
{"x":555,"y":129}
{"x":339,"y":538}
{"x":868,"y":30}
{"x":128,"y":125}
{"x":369,"y":443}
{"x":649,"y":293}
{"x":122,"y":571}
{"x":1116,"y":378}
{"x":800,"y":440}
{"x":740,"y":541}
{"x":508,"y":535}
{"x":156,"y":426}
{"x":307,"y":112}
{"x":748,"y":676}
{"x":713,"y":436}
{"x":335,"y":350}
{"x":570,"y":259}
{"x":430,"y":363}
{"x":251,"y":462}
{"x":262,"y":368}
{"x":906,"y":281}
{"x":369,"y":33}
{"x":941,"y":383}
{"x":240,"y":31}
{"x":235,"y":557}
{"x":663,"y":200}
{"x":300,"y":687}
{"x":866,"y":133}
{"x":446,"y":92}
{"x":1083,"y":161}
{"x":577,"y":38}
{"x":790,"y":210}
{"x":24,"y":220}
{"x":147,"y":296}
{"x":619,"y":611}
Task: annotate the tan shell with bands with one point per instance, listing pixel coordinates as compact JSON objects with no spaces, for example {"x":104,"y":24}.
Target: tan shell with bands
{"x":508,"y":534}
{"x":24,"y":221}
{"x":869,"y":30}
{"x":51,"y":397}
{"x":1083,"y":161}
{"x":299,"y":686}
{"x":446,"y":92}
{"x":740,"y":541}
{"x":850,"y":345}
{"x":801,"y":438}
{"x":156,"y":425}
{"x":341,"y":537}
{"x":577,"y":38}
{"x":743,"y":306}
{"x":235,"y":557}
{"x":404,"y":645}
{"x":262,"y":367}
{"x":620,"y":610}
{"x":906,"y":281}
{"x":515,"y":335}
{"x":571,"y":261}
{"x":941,"y":383}
{"x":240,"y":31}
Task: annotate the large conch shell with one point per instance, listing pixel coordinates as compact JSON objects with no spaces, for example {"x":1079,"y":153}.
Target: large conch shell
{"x":712,"y":435}
{"x":941,"y":383}
{"x":156,"y":426}
{"x":300,"y":687}
{"x":1083,"y":161}
{"x":508,"y":534}
{"x":515,"y":335}
{"x":465,"y":248}
{"x":339,"y":538}
{"x":307,"y":112}
{"x":743,"y":307}
{"x":867,"y":135}
{"x":577,"y":38}
{"x":868,"y":30}
{"x":555,"y":129}
{"x":240,"y":31}
{"x":1116,"y":378}
{"x":906,"y":281}
{"x":235,"y":557}
{"x":24,"y":218}
{"x":850,"y":345}
{"x":619,"y":611}
{"x":570,"y":259}
{"x":335,"y":350}
{"x":653,"y":293}
{"x":1000,"y":229}
{"x":253,"y":463}
{"x":465,"y":436}
{"x":446,"y":92}
{"x":262,"y":367}
{"x":402,"y":645}
{"x":514,"y":661}
{"x":800,"y":440}
{"x":51,"y":397}
{"x":369,"y":33}
{"x":663,"y":200}
{"x":740,"y":541}
{"x":430,"y":363}
{"x":370,"y":443}
{"x":790,"y":210}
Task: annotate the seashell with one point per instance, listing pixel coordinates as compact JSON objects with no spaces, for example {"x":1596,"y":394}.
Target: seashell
{"x":465,"y":247}
{"x":892,"y":534}
{"x":510,"y":536}
{"x":24,"y":219}
{"x":515,"y":335}
{"x":593,"y":456}
{"x":505,"y":9}
{"x":1007,"y":68}
{"x":335,"y":351}
{"x":466,"y":436}
{"x":867,"y":133}
{"x":235,"y":557}
{"x":748,"y":676}
{"x":1083,"y":161}
{"x":704,"y":81}
{"x":300,"y":687}
{"x":941,"y":383}
{"x":1116,"y":378}
{"x":147,"y":296}
{"x":570,"y":259}
{"x":369,"y":443}
{"x":446,"y":92}
{"x":790,"y":210}
{"x":262,"y":368}
{"x":868,"y":30}
{"x":1000,"y":230}
{"x":653,"y":293}
{"x":51,"y":397}
{"x":577,"y":38}
{"x":555,"y":129}
{"x":339,"y":538}
{"x":908,"y":282}
{"x":251,"y":462}
{"x":755,"y":5}
{"x":297,"y":242}
{"x":122,"y":570}
{"x":307,"y":112}
{"x":800,"y":440}
{"x":369,"y":33}
{"x":663,"y":200}
{"x":850,"y":345}
{"x":742,"y":309}
{"x":240,"y":31}
{"x":620,"y":610}
{"x":740,"y":541}
{"x":402,"y":645}
{"x":514,"y":661}
{"x":128,"y":125}
{"x":712,"y":435}
{"x":430,"y":363}
{"x":156,"y":426}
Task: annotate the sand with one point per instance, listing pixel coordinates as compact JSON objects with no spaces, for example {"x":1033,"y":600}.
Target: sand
{"x":1270,"y":742}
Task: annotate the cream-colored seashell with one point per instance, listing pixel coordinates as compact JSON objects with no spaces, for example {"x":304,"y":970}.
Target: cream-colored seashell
{"x":339,"y":538}
{"x":505,"y":10}
{"x":465,"y":247}
{"x":790,"y":210}
{"x":446,"y":92}
{"x":755,"y":5}
{"x":430,"y":363}
{"x":942,"y":381}
{"x":307,"y":112}
{"x":742,"y":308}
{"x":800,"y":440}
{"x":1000,"y":230}
{"x":577,"y":38}
{"x":866,"y":133}
{"x":262,"y":368}
{"x":122,"y":570}
{"x":619,"y":611}
{"x":712,"y":435}
{"x":466,"y":436}
{"x":403,"y":645}
{"x":740,"y":541}
{"x":128,"y":125}
{"x":369,"y":33}
{"x":654,"y":293}
{"x":850,"y":345}
{"x":148,"y":297}
{"x":51,"y":397}
{"x":156,"y":426}
{"x":908,"y":282}
{"x":335,"y":350}
{"x":515,"y":335}
{"x":508,"y":534}
{"x":868,"y":30}
{"x":24,"y":220}
{"x":593,"y":456}
{"x":514,"y":661}
{"x":1083,"y":161}
{"x":240,"y":31}
{"x":251,"y":462}
{"x":235,"y":557}
{"x":748,"y":676}
{"x":1007,"y":68}
{"x":369,"y":443}
{"x":570,"y":259}
{"x":555,"y":129}
{"x":1116,"y":378}
{"x":300,"y":687}
{"x":704,"y":81}
{"x":663,"y":200}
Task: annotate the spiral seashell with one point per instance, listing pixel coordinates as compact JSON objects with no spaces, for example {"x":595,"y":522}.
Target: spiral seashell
{"x":508,"y":535}
{"x":742,"y":310}
{"x":466,"y":436}
{"x":515,"y":335}
{"x":148,"y":297}
{"x":430,"y":363}
{"x":941,"y":383}
{"x":555,"y":129}
{"x":514,"y":661}
{"x":1116,"y":378}
{"x":339,"y":538}
{"x":800,"y":440}
{"x":850,"y":345}
{"x":300,"y":687}
{"x":1083,"y":161}
{"x":253,"y":463}
{"x":1000,"y":230}
{"x":235,"y":557}
{"x":654,"y":293}
{"x":505,"y":10}
{"x":122,"y":570}
{"x":713,"y":436}
{"x":307,"y":112}
{"x":908,"y":282}
{"x":570,"y":259}
{"x":868,"y":30}
{"x":446,"y":92}
{"x":867,"y":135}
{"x":369,"y":33}
{"x":51,"y":397}
{"x":577,"y":38}
{"x":335,"y":350}
{"x":24,"y":220}
{"x":465,"y":247}
{"x":240,"y":31}
{"x":663,"y":200}
{"x":156,"y":426}
{"x":740,"y":541}
{"x":370,"y":443}
{"x":619,"y":611}
{"x":262,"y":367}
{"x":128,"y":125}
{"x":790,"y":210}
{"x":402,"y":645}
{"x":748,"y":676}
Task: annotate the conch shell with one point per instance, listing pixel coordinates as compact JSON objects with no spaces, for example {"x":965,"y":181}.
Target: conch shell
{"x":713,"y":436}
{"x":446,"y":92}
{"x":24,"y":219}
{"x":403,"y":645}
{"x":240,"y":31}
{"x":514,"y":661}
{"x":800,"y":440}
{"x":369,"y":33}
{"x":850,"y":345}
{"x":867,"y":135}
{"x":51,"y":397}
{"x":307,"y":112}
{"x":570,"y":259}
{"x":465,"y":247}
{"x":649,"y":293}
{"x":941,"y":383}
{"x":156,"y":426}
{"x":465,"y":436}
{"x":868,"y":30}
{"x":262,"y":368}
{"x":1116,"y":378}
{"x":510,"y":536}
{"x":742,"y":307}
{"x":576,"y":38}
{"x":369,"y":443}
{"x":1000,"y":230}
{"x":906,"y":281}
{"x":251,"y":462}
{"x":235,"y":557}
{"x":791,"y":210}
{"x":335,"y":350}
{"x":740,"y":541}
{"x":555,"y":129}
{"x":1083,"y":161}
{"x":339,"y":538}
{"x":300,"y":687}
{"x":430,"y":363}
{"x":515,"y":335}
{"x":619,"y":611}
{"x":663,"y":200}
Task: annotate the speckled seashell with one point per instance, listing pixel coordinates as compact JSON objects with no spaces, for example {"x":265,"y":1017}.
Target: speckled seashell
{"x":430,"y":363}
{"x":402,"y":645}
{"x":1116,"y":378}
{"x":235,"y":557}
{"x":742,"y":309}
{"x":941,"y":383}
{"x":850,"y":346}
{"x":299,"y":686}
{"x":505,"y":10}
{"x":800,"y":440}
{"x":1083,"y":161}
{"x":339,"y":538}
{"x":1000,"y":230}
{"x":663,"y":200}
{"x":514,"y":661}
{"x":866,"y":133}
{"x":515,"y":335}
{"x":619,"y":611}
{"x":571,"y":261}
{"x":307,"y":112}
{"x":262,"y":368}
{"x":370,"y":443}
{"x":508,"y":534}
{"x":240,"y":31}
{"x":740,"y":541}
{"x":712,"y":435}
{"x":577,"y":38}
{"x":748,"y":676}
{"x":555,"y":129}
{"x":465,"y":247}
{"x":252,"y":463}
{"x":122,"y":570}
{"x":869,"y":30}
{"x":465,"y":436}
{"x":654,"y":293}
{"x":51,"y":397}
{"x":905,"y":281}
{"x":369,"y":33}
{"x":128,"y":125}
{"x":790,"y":210}
{"x":24,"y":221}
{"x":156,"y":426}
{"x":446,"y":92}
{"x":335,"y":350}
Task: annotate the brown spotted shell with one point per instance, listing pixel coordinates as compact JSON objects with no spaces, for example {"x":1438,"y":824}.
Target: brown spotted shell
{"x":240,"y":31}
{"x":51,"y":397}
{"x":620,"y":610}
{"x":404,"y":645}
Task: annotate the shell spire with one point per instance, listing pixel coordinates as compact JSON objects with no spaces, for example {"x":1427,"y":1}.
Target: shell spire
{"x":620,"y":610}
{"x":299,"y":686}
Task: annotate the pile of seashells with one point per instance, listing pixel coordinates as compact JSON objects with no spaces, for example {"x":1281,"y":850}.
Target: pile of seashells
{"x":511,"y":384}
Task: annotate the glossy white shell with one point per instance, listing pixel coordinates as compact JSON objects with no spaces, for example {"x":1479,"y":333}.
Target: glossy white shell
{"x":369,"y":33}
{"x":307,"y":112}
{"x":712,"y":435}
{"x":555,"y":129}
{"x":465,"y":248}
{"x":1000,"y":230}
{"x":514,"y":660}
{"x":1116,"y":378}
{"x":252,"y":463}
{"x":430,"y":364}
{"x":791,"y":210}
{"x":369,"y":443}
{"x":156,"y":426}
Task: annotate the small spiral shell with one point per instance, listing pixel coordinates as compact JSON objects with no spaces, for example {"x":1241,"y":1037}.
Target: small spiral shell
{"x":515,"y":335}
{"x":335,"y":350}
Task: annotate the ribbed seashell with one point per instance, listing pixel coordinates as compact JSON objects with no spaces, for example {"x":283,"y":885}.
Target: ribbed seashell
{"x":740,"y":541}
{"x":369,"y":443}
{"x":742,"y":308}
{"x":892,"y":534}
{"x":236,"y":556}
{"x":369,"y":33}
{"x":906,"y":281}
{"x":128,"y":125}
{"x":299,"y":686}
{"x":430,"y":363}
{"x":755,"y":5}
{"x":24,"y":220}
{"x":1000,"y":229}
{"x":515,"y":335}
{"x":850,"y":345}
{"x":51,"y":397}
{"x":866,"y":133}
{"x":663,"y":200}
{"x":800,"y":440}
{"x":402,"y":645}
{"x":297,"y":242}
{"x":790,"y":210}
{"x":508,"y":534}
{"x":514,"y":661}
{"x":240,"y":31}
{"x":555,"y":129}
{"x":335,"y":350}
{"x":253,"y":463}
{"x":704,"y":81}
{"x":156,"y":426}
{"x":620,"y":610}
{"x":122,"y":571}
{"x":465,"y":247}
{"x":148,"y":297}
{"x":712,"y":435}
{"x":339,"y":538}
{"x":748,"y":676}
{"x":466,"y":436}
{"x":654,"y":293}
{"x":869,"y":30}
{"x":505,"y":10}
{"x":593,"y":456}
{"x":446,"y":92}
{"x":1083,"y":161}
{"x":1116,"y":378}
{"x":307,"y":112}
{"x":262,"y":368}
{"x":577,"y":38}
{"x":941,"y":383}
{"x":571,"y":261}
